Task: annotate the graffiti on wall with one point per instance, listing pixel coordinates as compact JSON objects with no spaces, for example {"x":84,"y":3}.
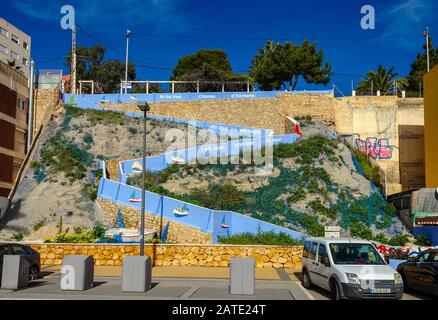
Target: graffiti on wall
{"x":377,"y":148}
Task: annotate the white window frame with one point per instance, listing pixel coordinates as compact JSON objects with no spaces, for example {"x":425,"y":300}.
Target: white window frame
{"x":4,"y":32}
{"x":12,"y":55}
{"x":21,"y":104}
{"x":25,"y":45}
{"x":24,"y":61}
{"x":5,"y":49}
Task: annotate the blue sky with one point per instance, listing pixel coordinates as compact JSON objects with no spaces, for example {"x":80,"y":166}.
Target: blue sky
{"x":238,"y":27}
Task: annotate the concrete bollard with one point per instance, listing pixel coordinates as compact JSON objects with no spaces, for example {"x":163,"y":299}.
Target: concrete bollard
{"x":77,"y":273}
{"x":137,"y":274}
{"x":15,"y":273}
{"x":242,"y":276}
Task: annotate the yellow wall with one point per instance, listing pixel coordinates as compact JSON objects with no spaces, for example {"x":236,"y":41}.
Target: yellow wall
{"x":431,"y":127}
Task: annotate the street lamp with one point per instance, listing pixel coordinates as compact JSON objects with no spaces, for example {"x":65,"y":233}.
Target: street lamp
{"x":426,"y":34}
{"x":128,"y":34}
{"x":144,"y":107}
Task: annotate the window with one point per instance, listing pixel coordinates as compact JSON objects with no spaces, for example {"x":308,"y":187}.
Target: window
{"x":18,"y":250}
{"x":355,"y":254}
{"x":307,"y":246}
{"x":25,"y":61}
{"x":25,"y":45}
{"x":15,"y":39}
{"x":3,"y":49}
{"x":322,"y":253}
{"x":313,"y":251}
{"x":14,"y":55}
{"x":435,"y":257}
{"x":3,"y":32}
{"x":424,"y":257}
{"x":21,"y":104}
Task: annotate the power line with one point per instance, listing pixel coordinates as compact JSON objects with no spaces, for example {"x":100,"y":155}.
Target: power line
{"x":233,"y":38}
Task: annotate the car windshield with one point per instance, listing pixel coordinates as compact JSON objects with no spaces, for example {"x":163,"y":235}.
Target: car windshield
{"x":355,"y":254}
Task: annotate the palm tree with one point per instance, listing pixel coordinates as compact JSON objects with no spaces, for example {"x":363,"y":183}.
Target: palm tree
{"x":381,"y":80}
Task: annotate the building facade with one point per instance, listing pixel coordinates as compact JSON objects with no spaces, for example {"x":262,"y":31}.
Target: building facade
{"x":14,"y":102}
{"x":15,"y":45}
{"x":431,"y":127}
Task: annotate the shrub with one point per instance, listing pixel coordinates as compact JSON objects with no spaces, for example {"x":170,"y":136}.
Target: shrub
{"x":262,"y":238}
{"x":318,"y":207}
{"x":422,"y":240}
{"x":358,"y":230}
{"x":88,"y":139}
{"x":72,"y":238}
{"x":399,"y":240}
{"x":132,"y":131}
{"x":17,"y":237}
{"x":297,"y":196}
{"x":37,"y":226}
{"x":369,"y":170}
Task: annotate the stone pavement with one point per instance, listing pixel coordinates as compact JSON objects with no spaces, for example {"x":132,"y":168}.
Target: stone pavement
{"x":168,"y":284}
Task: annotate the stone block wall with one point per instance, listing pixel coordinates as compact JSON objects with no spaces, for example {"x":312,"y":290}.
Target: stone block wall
{"x":46,"y":102}
{"x":178,"y":233}
{"x":175,"y":255}
{"x":254,"y":113}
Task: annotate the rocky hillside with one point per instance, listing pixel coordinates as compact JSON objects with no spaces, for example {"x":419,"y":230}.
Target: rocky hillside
{"x":59,"y":189}
{"x":315,"y":183}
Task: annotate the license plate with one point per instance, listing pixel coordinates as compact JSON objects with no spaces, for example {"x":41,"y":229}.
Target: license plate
{"x":380,"y":290}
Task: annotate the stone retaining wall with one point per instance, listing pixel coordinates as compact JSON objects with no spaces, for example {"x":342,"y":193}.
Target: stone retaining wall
{"x":175,"y":255}
{"x":254,"y":113}
{"x":178,"y":233}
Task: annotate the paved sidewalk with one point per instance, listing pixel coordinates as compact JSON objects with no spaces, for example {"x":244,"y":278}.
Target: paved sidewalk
{"x":188,"y":273}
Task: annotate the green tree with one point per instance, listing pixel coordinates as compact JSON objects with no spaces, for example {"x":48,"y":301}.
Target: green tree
{"x":419,"y":68}
{"x":89,"y":61}
{"x":381,"y":80}
{"x":206,"y":66}
{"x":111,"y":73}
{"x":277,"y":64}
{"x":141,"y":88}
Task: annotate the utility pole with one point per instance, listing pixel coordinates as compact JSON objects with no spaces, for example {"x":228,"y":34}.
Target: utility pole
{"x":426,"y":34}
{"x":128,"y":34}
{"x":73,"y":61}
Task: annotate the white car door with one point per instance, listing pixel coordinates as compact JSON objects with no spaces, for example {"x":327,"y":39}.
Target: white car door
{"x":321,"y":268}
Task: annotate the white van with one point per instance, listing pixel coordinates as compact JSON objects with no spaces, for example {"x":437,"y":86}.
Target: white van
{"x":349,"y":269}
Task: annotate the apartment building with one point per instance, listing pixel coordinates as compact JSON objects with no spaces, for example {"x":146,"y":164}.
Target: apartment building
{"x":14,"y":102}
{"x":15,"y":46}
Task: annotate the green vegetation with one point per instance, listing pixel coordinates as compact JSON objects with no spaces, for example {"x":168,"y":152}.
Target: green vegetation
{"x":297,"y":196}
{"x":277,"y":64}
{"x":262,"y":238}
{"x":89,"y":237}
{"x":88,"y":139}
{"x":96,"y":116}
{"x":422,"y":240}
{"x":132,"y":131}
{"x":370,"y":171}
{"x":17,"y":237}
{"x":381,"y":80}
{"x":318,"y":207}
{"x":399,"y":240}
{"x":41,"y":223}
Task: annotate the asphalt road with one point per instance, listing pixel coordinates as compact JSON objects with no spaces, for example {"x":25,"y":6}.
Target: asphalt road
{"x":321,"y":294}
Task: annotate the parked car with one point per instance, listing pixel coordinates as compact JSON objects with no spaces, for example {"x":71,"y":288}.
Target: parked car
{"x":421,"y":272}
{"x":31,"y":256}
{"x":349,"y":269}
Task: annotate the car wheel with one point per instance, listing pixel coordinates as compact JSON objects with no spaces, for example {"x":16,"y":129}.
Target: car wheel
{"x":336,"y":292}
{"x":405,"y":283}
{"x":34,"y":273}
{"x":305,"y":281}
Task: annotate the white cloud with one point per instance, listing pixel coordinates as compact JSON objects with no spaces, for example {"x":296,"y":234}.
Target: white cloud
{"x":408,"y":17}
{"x":105,"y":15}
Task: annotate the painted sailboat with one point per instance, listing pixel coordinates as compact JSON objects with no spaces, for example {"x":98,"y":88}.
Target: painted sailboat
{"x":224,"y":225}
{"x":134,"y":198}
{"x":178,"y":160}
{"x":181,"y":211}
{"x":137,"y":167}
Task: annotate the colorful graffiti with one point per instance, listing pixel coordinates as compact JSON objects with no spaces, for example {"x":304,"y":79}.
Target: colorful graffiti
{"x":377,"y":148}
